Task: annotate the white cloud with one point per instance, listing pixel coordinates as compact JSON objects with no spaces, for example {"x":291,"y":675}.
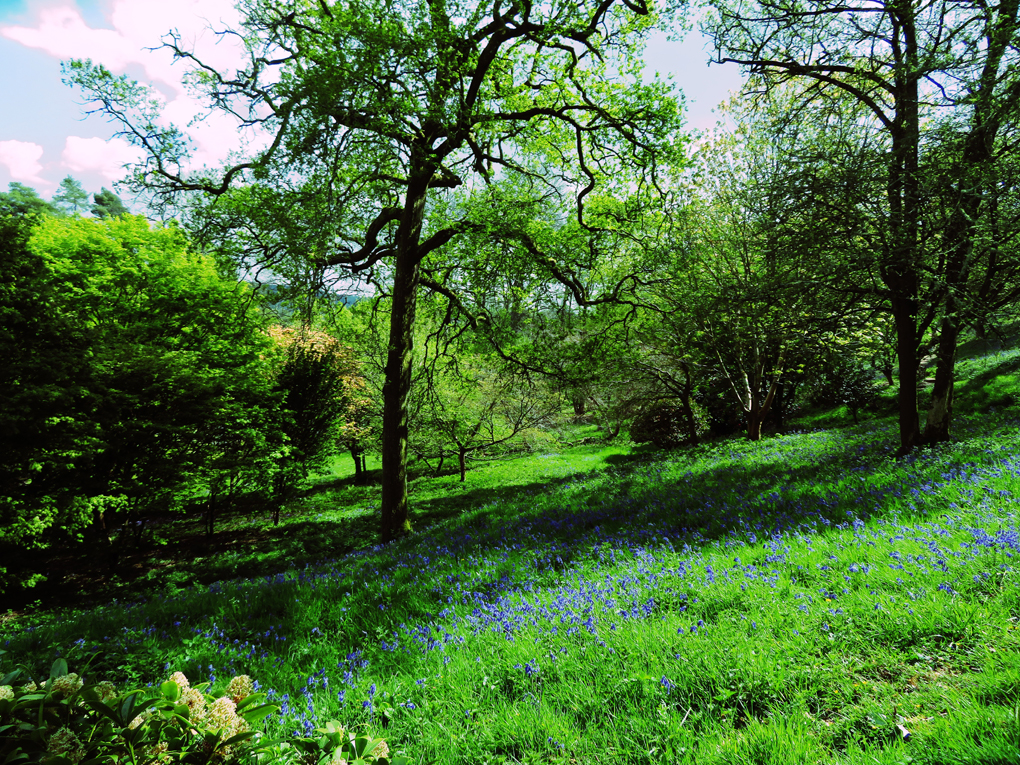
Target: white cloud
{"x":22,"y":160}
{"x":107,"y":158}
{"x":62,"y":32}
{"x":138,"y":26}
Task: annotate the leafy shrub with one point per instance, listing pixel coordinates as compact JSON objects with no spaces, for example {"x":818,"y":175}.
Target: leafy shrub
{"x":64,"y":721}
{"x":850,"y":383}
{"x":665,"y":425}
{"x":323,"y":398}
{"x":131,"y":363}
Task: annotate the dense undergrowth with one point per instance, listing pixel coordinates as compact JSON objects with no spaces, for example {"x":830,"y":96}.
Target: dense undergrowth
{"x":807,"y":598}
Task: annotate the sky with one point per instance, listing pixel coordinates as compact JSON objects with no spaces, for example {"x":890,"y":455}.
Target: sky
{"x":46,"y":135}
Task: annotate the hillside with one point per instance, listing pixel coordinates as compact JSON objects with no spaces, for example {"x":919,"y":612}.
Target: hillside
{"x":806,"y":599}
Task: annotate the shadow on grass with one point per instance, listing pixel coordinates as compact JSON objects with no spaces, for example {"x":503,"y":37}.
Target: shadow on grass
{"x":544,"y":538}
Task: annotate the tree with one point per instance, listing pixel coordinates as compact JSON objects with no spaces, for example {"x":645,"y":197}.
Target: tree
{"x":899,"y":61}
{"x":169,"y":345}
{"x":848,"y":382}
{"x":108,"y":205}
{"x":979,"y":270}
{"x":44,"y":372}
{"x":393,"y":129}
{"x":322,"y":393}
{"x":755,"y":294}
{"x":21,"y":200}
{"x":475,"y":410}
{"x":71,"y":198}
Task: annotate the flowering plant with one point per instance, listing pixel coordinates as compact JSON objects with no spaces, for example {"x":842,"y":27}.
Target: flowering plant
{"x":336,"y":746}
{"x":64,"y":721}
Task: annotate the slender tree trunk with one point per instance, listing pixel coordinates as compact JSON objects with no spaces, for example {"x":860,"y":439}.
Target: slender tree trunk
{"x":462,"y":456}
{"x":940,"y":413}
{"x":210,"y":515}
{"x":905,"y":316}
{"x":357,"y":454}
{"x":901,"y":266}
{"x":758,"y":410}
{"x":396,"y":520}
{"x":758,"y":413}
{"x":685,"y":405}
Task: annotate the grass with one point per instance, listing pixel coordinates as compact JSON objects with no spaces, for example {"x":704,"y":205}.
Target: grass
{"x":802,"y":599}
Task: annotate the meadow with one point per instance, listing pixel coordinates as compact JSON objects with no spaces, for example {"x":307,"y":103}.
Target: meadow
{"x":807,"y":598}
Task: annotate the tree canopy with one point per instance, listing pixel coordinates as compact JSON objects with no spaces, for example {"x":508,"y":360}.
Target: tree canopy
{"x":392,"y":129}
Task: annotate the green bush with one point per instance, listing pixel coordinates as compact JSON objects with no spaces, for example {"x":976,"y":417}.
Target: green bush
{"x":65,"y":721}
{"x":139,"y":377}
{"x":665,"y":425}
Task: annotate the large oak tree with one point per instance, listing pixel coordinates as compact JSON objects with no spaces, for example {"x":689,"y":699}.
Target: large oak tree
{"x":393,"y":127}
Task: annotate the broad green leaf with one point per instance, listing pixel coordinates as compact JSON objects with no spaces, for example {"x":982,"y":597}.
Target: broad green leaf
{"x":59,"y":669}
{"x":239,"y":738}
{"x":252,"y":716}
{"x":170,"y":690}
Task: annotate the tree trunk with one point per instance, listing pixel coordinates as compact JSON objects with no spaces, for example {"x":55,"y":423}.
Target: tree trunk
{"x":756,"y":412}
{"x":940,"y":413}
{"x":359,"y":463}
{"x":685,"y":406}
{"x":462,"y":456}
{"x":210,"y":515}
{"x":578,"y":403}
{"x":901,"y":263}
{"x":904,"y":313}
{"x":757,"y":415}
{"x":395,"y":515}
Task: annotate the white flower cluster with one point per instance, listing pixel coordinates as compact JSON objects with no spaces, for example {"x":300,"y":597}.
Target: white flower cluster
{"x":221,"y":715}
{"x":66,"y":685}
{"x":106,"y":691}
{"x":240,"y":688}
{"x":65,"y":743}
{"x":190,"y":697}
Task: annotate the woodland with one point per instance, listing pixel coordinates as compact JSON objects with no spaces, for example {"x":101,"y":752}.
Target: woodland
{"x":474,"y":347}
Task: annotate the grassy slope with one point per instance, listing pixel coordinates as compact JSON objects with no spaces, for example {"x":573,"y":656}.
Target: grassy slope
{"x":803,"y":599}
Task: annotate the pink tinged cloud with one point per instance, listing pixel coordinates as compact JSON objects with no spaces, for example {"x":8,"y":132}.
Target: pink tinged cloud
{"x":100,"y":156}
{"x":62,"y":32}
{"x":140,"y":25}
{"x":22,"y":160}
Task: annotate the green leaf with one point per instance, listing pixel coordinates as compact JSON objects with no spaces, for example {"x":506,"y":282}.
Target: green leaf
{"x":98,"y":706}
{"x":28,"y":698}
{"x":258,"y":714}
{"x":59,"y":669}
{"x":239,"y":738}
{"x":130,"y":708}
{"x":250,"y":699}
{"x":10,"y":677}
{"x":170,"y":690}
